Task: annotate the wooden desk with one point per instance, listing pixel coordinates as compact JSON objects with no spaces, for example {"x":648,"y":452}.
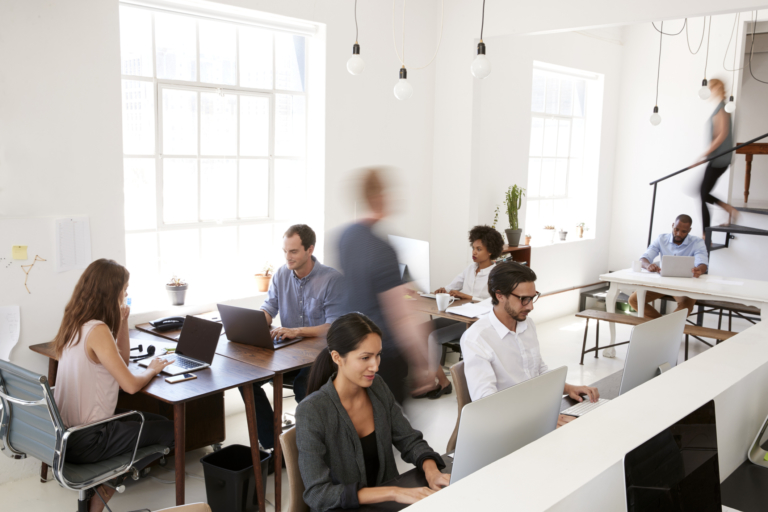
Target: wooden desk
{"x":224,"y":373}
{"x":429,"y":306}
{"x":521,"y":253}
{"x":174,"y":334}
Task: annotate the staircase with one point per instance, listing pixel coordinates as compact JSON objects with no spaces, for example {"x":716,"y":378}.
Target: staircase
{"x":754,"y":207}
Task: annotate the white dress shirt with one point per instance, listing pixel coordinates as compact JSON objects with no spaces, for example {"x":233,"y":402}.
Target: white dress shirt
{"x":496,"y":358}
{"x":472,"y":282}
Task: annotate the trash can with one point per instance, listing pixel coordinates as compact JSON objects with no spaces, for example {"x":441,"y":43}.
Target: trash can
{"x":230,"y":485}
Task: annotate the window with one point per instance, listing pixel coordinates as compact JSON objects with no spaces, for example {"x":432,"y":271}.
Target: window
{"x":215,"y":145}
{"x":566,"y":106}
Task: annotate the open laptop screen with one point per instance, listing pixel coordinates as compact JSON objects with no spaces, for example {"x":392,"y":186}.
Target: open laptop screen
{"x":198,"y":339}
{"x":677,"y":469}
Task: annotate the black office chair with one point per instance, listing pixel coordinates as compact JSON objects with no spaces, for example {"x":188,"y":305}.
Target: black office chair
{"x":30,"y":425}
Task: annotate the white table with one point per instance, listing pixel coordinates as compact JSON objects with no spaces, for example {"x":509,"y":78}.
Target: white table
{"x":706,"y":287}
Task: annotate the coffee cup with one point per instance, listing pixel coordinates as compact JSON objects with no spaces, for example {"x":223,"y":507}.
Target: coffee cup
{"x":443,"y":301}
{"x":636,"y":266}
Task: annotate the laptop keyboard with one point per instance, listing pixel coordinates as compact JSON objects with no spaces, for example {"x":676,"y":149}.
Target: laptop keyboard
{"x":183,"y":362}
{"x":584,"y":407}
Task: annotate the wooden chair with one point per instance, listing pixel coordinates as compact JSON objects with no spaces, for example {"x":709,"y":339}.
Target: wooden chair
{"x":463,"y":398}
{"x":296,"y":484}
{"x":192,"y":507}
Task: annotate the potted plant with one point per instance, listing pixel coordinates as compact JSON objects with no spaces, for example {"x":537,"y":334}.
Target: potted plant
{"x":582,"y":227}
{"x":495,"y":217}
{"x":562,"y":234}
{"x":514,"y":199}
{"x":527,"y":239}
{"x":177,"y":291}
{"x":550,"y":231}
{"x":263,"y":278}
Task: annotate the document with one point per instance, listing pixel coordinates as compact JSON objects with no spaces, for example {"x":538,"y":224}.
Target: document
{"x":73,"y":243}
{"x":472,"y":309}
{"x":10,"y":328}
{"x":19,"y":252}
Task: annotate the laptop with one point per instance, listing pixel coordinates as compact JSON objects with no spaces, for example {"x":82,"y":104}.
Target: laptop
{"x":654,"y":347}
{"x":495,"y":426}
{"x":677,"y":266}
{"x":250,"y":327}
{"x":196,"y":346}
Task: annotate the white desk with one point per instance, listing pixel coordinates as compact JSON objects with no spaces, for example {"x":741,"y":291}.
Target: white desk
{"x":706,"y":287}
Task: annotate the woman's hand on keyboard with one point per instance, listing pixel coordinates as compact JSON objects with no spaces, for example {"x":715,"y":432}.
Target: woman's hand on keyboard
{"x":159,"y":363}
{"x":575,"y":392}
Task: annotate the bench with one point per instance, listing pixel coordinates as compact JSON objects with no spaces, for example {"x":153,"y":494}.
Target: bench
{"x":696,"y":331}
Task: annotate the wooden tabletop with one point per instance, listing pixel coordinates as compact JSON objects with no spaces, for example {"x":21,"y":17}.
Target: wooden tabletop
{"x":174,"y":334}
{"x":429,"y":306}
{"x":291,"y":357}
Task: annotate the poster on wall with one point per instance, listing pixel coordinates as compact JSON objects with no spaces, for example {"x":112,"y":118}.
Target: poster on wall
{"x":73,"y":243}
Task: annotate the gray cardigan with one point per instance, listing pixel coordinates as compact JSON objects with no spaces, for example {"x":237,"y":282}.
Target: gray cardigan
{"x":331,"y":456}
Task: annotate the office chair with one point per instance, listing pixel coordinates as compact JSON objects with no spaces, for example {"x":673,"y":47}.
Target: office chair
{"x":463,"y":398}
{"x":291,"y":455}
{"x":30,"y":424}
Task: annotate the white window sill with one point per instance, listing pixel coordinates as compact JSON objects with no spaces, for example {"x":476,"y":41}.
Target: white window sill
{"x":557,"y":241}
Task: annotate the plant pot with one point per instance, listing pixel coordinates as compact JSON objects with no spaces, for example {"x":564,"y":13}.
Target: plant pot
{"x":262,"y":282}
{"x":551,"y":234}
{"x":177,"y":294}
{"x":563,"y":234}
{"x":527,"y":240}
{"x":513,"y":237}
{"x":581,"y":232}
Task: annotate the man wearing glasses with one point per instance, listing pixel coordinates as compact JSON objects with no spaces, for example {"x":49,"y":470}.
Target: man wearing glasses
{"x":502,"y":349}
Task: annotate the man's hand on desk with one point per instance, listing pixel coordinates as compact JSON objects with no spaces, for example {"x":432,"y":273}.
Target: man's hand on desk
{"x":697,"y":271}
{"x":653,"y":268}
{"x":284,"y":332}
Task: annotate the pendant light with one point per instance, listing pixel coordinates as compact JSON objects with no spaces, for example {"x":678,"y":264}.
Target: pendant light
{"x":481,"y":66}
{"x":704,"y":92}
{"x":655,"y":117}
{"x":355,"y":64}
{"x":403,"y":89}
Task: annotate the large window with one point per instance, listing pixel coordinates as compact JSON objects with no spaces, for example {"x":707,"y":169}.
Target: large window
{"x":566,"y":106}
{"x":215,"y":143}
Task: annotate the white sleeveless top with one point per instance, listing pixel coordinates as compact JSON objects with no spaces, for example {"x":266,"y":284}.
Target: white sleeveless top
{"x":85,"y":391}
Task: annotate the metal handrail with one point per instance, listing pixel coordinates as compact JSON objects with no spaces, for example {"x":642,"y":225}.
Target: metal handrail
{"x":656,"y":182}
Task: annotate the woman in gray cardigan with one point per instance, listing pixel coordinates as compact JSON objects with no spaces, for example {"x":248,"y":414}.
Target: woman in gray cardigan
{"x":348,"y":423}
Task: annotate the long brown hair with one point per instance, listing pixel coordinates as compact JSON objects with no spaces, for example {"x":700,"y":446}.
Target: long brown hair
{"x":96,"y":297}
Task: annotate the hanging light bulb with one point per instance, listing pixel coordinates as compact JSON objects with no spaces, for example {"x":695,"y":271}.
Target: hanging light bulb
{"x":403,"y":89}
{"x":655,"y":117}
{"x":355,"y":64}
{"x":481,"y":66}
{"x":730,"y":106}
{"x":704,"y":92}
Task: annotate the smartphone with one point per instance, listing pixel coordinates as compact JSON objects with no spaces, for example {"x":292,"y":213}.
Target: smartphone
{"x":180,"y":378}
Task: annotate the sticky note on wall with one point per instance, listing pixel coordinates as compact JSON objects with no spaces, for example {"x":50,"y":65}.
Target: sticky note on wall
{"x":19,"y":252}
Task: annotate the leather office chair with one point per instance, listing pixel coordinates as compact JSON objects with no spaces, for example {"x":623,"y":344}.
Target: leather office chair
{"x":192,"y":507}
{"x":296,"y":484}
{"x":30,"y":425}
{"x":463,"y":398}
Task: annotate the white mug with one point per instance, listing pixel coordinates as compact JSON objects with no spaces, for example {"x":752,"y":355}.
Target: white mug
{"x":443,"y":301}
{"x":636,"y":266}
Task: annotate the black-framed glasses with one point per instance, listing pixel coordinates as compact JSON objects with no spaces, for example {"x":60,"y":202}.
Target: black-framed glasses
{"x":527,"y":300}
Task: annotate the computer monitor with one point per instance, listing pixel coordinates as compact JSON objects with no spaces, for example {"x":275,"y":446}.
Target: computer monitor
{"x":499,"y":424}
{"x":413,"y":256}
{"x":652,"y":345}
{"x":677,"y":469}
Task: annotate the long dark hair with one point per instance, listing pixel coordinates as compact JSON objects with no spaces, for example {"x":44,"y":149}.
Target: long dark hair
{"x":344,"y":336}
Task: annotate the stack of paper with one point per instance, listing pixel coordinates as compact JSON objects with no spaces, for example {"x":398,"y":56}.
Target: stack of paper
{"x":472,"y":310}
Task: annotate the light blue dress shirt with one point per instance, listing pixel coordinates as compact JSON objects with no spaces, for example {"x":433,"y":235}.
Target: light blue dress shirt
{"x":664,"y":245}
{"x":308,"y":302}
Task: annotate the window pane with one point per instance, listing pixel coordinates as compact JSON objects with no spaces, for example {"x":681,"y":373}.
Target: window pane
{"x":179,"y":122}
{"x":138,"y":118}
{"x":538,"y":93}
{"x":140,"y":198}
{"x":566,"y":97}
{"x":534,"y":177}
{"x":562,"y":218}
{"x":547,"y":177}
{"x":218,"y":53}
{"x":254,"y":188}
{"x":179,"y":190}
{"x":545,"y":213}
{"x":552,"y":96}
{"x":290,"y":189}
{"x":216,"y":242}
{"x":550,"y":137}
{"x":581,"y":94}
{"x":290,"y":52}
{"x":563,"y":137}
{"x":255,"y":58}
{"x":289,"y":125}
{"x":254,"y":126}
{"x":577,"y":138}
{"x":218,"y":189}
{"x":532,"y":222}
{"x":135,"y":42}
{"x":256,"y":247}
{"x":561,"y":177}
{"x":141,"y":258}
{"x":574,"y":177}
{"x":218,"y":124}
{"x":179,"y":254}
{"x":537,"y":136}
{"x":175,"y":47}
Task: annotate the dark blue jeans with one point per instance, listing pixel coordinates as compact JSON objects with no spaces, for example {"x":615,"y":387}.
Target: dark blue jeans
{"x":265,"y":416}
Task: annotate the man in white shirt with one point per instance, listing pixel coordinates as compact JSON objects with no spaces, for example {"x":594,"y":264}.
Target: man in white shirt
{"x":502,"y":349}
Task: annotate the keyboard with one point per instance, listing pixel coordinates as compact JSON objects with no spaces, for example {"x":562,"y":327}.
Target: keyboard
{"x":584,"y":407}
{"x":185,"y":363}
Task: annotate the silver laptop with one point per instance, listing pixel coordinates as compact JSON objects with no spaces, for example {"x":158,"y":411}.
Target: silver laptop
{"x":654,"y":347}
{"x":677,"y":266}
{"x":196,"y":346}
{"x":497,"y":425}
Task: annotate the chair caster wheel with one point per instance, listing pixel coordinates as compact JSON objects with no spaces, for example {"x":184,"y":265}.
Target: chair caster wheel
{"x":216,"y":446}
{"x":163,"y":462}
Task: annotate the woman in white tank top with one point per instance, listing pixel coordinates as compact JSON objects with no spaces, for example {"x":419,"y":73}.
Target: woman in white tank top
{"x":93,"y":348}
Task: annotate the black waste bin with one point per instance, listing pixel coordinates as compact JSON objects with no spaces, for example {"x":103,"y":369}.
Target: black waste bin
{"x":230,"y":484}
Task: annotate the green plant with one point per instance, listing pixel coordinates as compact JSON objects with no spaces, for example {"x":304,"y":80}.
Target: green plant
{"x":177,"y":281}
{"x":495,"y":216}
{"x":514,"y":200}
{"x":267,"y":268}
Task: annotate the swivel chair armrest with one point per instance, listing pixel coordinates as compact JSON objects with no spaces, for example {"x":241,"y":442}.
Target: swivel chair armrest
{"x":105,"y":420}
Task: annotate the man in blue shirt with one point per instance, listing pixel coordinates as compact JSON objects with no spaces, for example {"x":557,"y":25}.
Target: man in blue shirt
{"x":678,"y":243}
{"x":307,"y":296}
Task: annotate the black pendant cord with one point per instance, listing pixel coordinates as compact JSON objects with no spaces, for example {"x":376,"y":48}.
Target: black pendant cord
{"x":658,"y":71}
{"x":482,"y":22}
{"x":752,"y":49}
{"x":685,"y":23}
{"x":706,"y":58}
{"x":355,"y":21}
{"x":688,"y":40}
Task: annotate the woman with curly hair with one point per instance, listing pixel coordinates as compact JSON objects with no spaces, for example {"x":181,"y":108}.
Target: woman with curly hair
{"x":472,"y":283}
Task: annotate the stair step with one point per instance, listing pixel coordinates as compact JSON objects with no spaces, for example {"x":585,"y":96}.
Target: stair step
{"x":755,"y":206}
{"x":736,"y":229}
{"x":716,"y":247}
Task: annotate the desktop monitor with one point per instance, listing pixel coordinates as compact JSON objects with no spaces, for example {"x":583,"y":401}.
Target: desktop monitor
{"x":677,"y":469}
{"x":413,"y":256}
